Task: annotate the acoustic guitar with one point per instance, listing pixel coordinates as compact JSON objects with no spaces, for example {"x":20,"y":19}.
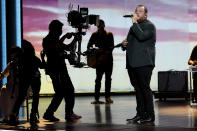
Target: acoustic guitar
{"x":96,"y":56}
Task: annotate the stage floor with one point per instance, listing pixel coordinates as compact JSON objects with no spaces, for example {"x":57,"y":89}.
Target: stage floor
{"x":170,"y":115}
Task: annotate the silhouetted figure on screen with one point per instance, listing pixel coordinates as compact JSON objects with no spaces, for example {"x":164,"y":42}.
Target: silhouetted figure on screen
{"x":193,"y":61}
{"x":56,"y":68}
{"x":140,"y":61}
{"x":105,"y":42}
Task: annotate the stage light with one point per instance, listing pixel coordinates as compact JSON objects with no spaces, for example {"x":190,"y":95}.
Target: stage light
{"x":18,"y":22}
{"x":3,"y":37}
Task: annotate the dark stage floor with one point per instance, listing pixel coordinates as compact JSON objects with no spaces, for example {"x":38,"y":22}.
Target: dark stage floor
{"x":170,"y":115}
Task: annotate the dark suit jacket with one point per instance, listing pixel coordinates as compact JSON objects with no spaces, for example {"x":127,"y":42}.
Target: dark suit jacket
{"x":141,"y":39}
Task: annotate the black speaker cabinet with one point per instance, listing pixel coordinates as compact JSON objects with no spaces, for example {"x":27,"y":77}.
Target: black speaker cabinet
{"x":172,"y":84}
{"x":172,"y":81}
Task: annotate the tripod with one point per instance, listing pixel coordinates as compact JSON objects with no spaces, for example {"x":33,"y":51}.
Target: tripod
{"x":76,"y":60}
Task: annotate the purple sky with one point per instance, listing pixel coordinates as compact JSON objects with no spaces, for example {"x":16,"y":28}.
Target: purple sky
{"x":37,"y":14}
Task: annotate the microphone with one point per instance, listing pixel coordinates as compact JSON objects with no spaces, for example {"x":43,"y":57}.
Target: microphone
{"x":126,"y":16}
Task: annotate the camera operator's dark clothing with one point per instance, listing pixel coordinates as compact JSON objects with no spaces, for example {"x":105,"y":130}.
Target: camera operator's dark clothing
{"x":105,"y":43}
{"x":63,"y":88}
{"x":57,"y":70}
{"x":55,"y":53}
{"x":140,"y":61}
{"x":193,"y":57}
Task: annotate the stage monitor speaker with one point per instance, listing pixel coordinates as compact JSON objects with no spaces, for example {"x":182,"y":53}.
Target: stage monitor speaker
{"x":172,"y":81}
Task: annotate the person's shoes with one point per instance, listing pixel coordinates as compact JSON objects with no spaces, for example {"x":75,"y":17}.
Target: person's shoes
{"x":108,"y":100}
{"x":13,"y":121}
{"x":97,"y":102}
{"x":34,"y":118}
{"x":51,"y":118}
{"x":69,"y":120}
{"x":135,"y":118}
{"x":147,"y":120}
{"x":75,"y":116}
{"x":5,"y":120}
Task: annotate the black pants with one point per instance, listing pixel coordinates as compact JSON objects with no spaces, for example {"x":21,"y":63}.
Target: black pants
{"x":35,"y":86}
{"x":22,"y":93}
{"x":107,"y":69}
{"x":24,"y":85}
{"x":195,"y":85}
{"x":140,"y":79}
{"x":63,"y":88}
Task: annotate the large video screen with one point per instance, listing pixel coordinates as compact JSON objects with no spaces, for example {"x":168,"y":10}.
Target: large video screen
{"x":175,"y":22}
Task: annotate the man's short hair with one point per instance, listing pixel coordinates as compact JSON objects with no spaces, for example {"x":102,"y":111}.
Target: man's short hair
{"x":55,"y":24}
{"x":145,"y":8}
{"x":101,"y":21}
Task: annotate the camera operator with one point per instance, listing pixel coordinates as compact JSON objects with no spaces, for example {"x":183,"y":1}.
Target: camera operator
{"x":56,"y":68}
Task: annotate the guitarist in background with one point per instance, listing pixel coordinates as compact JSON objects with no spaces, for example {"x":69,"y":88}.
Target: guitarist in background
{"x":105,"y":42}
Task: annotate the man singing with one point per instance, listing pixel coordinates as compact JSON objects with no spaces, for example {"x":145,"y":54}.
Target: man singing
{"x":140,"y":61}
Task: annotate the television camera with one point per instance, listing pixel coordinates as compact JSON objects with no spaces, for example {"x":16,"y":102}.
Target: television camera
{"x":79,"y":19}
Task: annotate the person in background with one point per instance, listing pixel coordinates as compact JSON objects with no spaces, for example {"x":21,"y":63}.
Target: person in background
{"x":29,"y":77}
{"x":140,"y":62}
{"x":33,"y":64}
{"x":9,"y":92}
{"x":105,"y":42}
{"x":193,"y":61}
